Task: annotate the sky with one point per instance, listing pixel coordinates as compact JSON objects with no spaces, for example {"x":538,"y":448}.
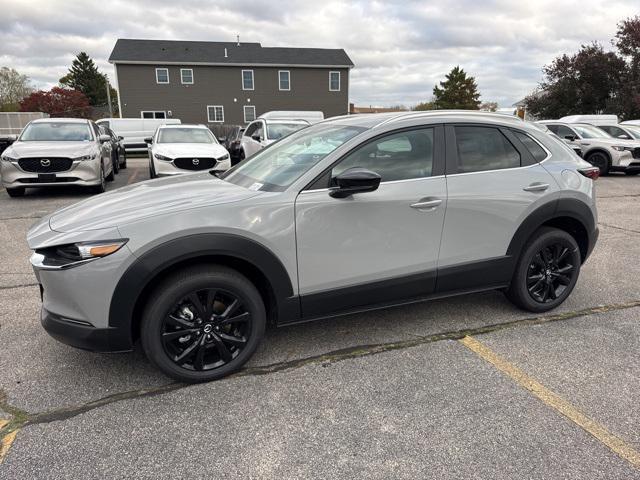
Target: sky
{"x":400,"y":49}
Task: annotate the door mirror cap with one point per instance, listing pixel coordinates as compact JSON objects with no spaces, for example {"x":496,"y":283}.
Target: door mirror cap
{"x":148,"y":140}
{"x":104,"y":138}
{"x":257,"y":138}
{"x":355,"y":180}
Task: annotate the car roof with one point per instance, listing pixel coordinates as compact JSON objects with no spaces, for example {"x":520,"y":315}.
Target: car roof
{"x":183,"y":125}
{"x":60,"y":120}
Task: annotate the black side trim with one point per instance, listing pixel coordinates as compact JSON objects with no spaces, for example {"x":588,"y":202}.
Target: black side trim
{"x":494,"y":272}
{"x":139,"y":274}
{"x":368,"y":295}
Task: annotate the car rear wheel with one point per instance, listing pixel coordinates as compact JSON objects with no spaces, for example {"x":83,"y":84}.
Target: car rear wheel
{"x":547,"y":271}
{"x":600,"y":160}
{"x":16,"y":192}
{"x":203,"y":323}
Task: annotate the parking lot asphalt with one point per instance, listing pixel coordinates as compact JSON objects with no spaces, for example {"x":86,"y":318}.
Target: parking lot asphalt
{"x":466,"y":387}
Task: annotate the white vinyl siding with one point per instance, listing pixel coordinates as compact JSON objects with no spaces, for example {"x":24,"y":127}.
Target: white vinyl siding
{"x":215,"y":113}
{"x":162,"y":75}
{"x":284,"y":80}
{"x":334,"y":81}
{"x":186,"y":76}
{"x":247,"y":79}
{"x":249,"y":113}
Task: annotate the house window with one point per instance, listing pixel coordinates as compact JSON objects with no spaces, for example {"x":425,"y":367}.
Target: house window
{"x":162,"y":75}
{"x":186,"y":76}
{"x":249,"y":113}
{"x":334,"y":81}
{"x":284,"y":80}
{"x":153,"y":114}
{"x":247,"y":79}
{"x":215,"y":113}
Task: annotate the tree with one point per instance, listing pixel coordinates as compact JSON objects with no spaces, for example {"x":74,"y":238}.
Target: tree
{"x":13,"y":88}
{"x":586,"y":82}
{"x":58,"y":102}
{"x":489,"y":106}
{"x":424,"y":106}
{"x":457,"y":91}
{"x":628,"y":44}
{"x":85,"y":77}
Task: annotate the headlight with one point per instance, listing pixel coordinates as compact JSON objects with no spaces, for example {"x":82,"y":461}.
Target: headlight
{"x":7,"y":158}
{"x":91,"y":156}
{"x":162,"y":157}
{"x":224,"y":157}
{"x":65,"y":256}
{"x":621,"y":149}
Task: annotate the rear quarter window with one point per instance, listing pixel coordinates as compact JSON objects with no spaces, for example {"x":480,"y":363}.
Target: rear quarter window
{"x":536,"y":151}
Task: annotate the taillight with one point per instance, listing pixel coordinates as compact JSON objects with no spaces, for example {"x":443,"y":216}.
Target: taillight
{"x":590,"y":172}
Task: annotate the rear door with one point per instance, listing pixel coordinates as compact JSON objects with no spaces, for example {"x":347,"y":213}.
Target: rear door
{"x":494,"y":182}
{"x":376,"y":247}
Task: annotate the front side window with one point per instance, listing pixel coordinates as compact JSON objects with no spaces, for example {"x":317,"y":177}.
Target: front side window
{"x":186,"y":76}
{"x":334,"y":81}
{"x":249,"y":113}
{"x":275,"y":131}
{"x":185,"y":135}
{"x":247,"y":79}
{"x":282,"y":163}
{"x":284,"y":77}
{"x":537,"y":152}
{"x":484,"y":148}
{"x":56,"y":132}
{"x":215,"y":113}
{"x":162,"y":75}
{"x":587,"y":131}
{"x":399,"y":156}
{"x":562,"y":131}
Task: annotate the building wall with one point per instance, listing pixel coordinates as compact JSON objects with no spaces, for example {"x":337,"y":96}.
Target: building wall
{"x":215,"y":85}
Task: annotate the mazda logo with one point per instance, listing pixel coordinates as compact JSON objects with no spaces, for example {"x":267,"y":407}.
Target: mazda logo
{"x":45,"y":162}
{"x":195,"y":161}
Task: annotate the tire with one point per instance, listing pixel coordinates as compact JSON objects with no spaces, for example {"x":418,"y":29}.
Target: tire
{"x":112,"y":176}
{"x":600,"y":160}
{"x":124,"y":162}
{"x":534,"y":274}
{"x":16,"y":192}
{"x":116,"y":164}
{"x":152,"y":171}
{"x":101,"y":187}
{"x":172,"y":309}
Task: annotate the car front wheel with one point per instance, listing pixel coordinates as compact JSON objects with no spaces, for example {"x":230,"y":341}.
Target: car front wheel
{"x":547,"y":271}
{"x":203,"y":323}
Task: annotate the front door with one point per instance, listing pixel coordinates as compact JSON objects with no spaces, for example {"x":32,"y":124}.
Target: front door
{"x":377,"y":247}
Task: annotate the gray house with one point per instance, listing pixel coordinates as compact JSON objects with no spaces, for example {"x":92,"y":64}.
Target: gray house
{"x":227,"y":83}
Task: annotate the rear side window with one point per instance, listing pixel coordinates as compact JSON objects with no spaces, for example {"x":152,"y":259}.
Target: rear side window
{"x":484,"y":148}
{"x":400,"y":156}
{"x":536,"y":151}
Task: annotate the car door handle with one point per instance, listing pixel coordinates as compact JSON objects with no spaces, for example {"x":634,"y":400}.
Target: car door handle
{"x":427,"y":204}
{"x":536,"y":187}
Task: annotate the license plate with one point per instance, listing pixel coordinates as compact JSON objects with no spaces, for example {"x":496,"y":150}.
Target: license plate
{"x":46,"y":177}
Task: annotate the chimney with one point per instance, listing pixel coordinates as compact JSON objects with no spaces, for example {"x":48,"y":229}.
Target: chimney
{"x":238,"y":39}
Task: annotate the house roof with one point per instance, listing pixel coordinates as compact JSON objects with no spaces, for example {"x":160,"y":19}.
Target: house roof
{"x":169,"y":52}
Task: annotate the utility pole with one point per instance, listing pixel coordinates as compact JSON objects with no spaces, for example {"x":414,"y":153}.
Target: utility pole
{"x":106,"y":81}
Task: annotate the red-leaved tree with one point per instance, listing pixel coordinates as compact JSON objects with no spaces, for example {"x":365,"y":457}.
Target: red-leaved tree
{"x":57,"y":102}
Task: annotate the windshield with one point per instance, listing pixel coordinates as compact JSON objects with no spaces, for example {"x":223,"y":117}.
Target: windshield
{"x":279,"y":165}
{"x":56,"y":132}
{"x":275,"y":131}
{"x":633,"y":131}
{"x":185,"y":135}
{"x":587,"y":131}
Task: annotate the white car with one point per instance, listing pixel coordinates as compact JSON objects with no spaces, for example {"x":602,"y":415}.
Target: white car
{"x":626,"y":132}
{"x":264,"y":131}
{"x":598,"y":147}
{"x":177,"y":149}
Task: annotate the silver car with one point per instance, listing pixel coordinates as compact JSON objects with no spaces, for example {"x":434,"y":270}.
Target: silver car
{"x":176,"y":149}
{"x":350,"y":214}
{"x":52,"y":152}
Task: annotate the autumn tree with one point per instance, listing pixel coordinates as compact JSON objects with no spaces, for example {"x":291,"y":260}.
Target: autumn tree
{"x":57,"y":102}
{"x":13,"y":88}
{"x":458,"y":91}
{"x":85,"y":77}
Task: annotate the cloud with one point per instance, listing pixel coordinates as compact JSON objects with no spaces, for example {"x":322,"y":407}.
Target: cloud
{"x":400,"y":48}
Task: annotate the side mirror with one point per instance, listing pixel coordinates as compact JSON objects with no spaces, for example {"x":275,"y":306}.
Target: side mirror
{"x":624,"y":136}
{"x":355,"y":180}
{"x":120,"y":137}
{"x":257,"y":138}
{"x":571,"y":138}
{"x":104,"y":138}
{"x":222,"y":139}
{"x":148,"y":140}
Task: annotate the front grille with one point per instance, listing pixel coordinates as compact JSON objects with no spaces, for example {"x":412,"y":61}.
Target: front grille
{"x":190,"y":163}
{"x":636,"y":152}
{"x":45,"y":164}
{"x":53,"y":180}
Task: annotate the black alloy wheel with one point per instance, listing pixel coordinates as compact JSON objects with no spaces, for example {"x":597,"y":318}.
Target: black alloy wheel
{"x":206,"y":329}
{"x":600,"y":160}
{"x":550,"y":272}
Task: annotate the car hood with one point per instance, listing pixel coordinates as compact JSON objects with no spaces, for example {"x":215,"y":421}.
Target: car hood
{"x":146,"y":199}
{"x":179,"y":150}
{"x":52,"y":149}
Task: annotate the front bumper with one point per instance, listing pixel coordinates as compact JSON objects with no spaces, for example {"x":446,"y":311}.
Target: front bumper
{"x":82,"y":172}
{"x":165,"y":168}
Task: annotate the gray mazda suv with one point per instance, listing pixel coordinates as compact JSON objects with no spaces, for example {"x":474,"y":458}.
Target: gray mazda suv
{"x":351,"y":214}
